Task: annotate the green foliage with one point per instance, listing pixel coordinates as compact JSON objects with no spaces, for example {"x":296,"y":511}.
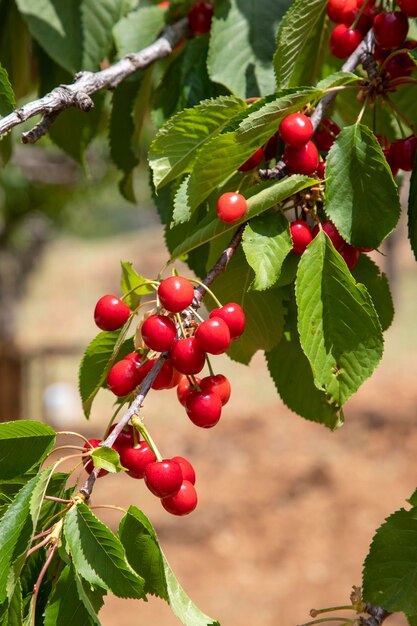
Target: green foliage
{"x":7,"y":99}
{"x":107,"y":458}
{"x":376,"y":282}
{"x":412,"y":211}
{"x":23,"y":445}
{"x":133,"y":285}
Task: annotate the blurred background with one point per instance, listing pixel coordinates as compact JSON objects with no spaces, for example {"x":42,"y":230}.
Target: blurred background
{"x":286,"y":508}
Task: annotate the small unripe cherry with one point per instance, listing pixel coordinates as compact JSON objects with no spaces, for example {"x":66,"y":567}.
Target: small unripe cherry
{"x":136,"y":459}
{"x":218,"y":384}
{"x":183,"y":502}
{"x":296,"y":129}
{"x":159,"y":332}
{"x":213,"y":335}
{"x":344,"y":40}
{"x":199,"y":17}
{"x":253,"y":161}
{"x":111,"y":313}
{"x":301,"y":236}
{"x":203,"y":409}
{"x":187,"y":356}
{"x":390,"y":29}
{"x":88,"y":464}
{"x":331,"y":231}
{"x":175,"y":293}
{"x":122,"y":378}
{"x":185,"y":387}
{"x":231,"y":207}
{"x":187,"y":469}
{"x":301,"y":159}
{"x":163,"y":478}
{"x":234,"y":316}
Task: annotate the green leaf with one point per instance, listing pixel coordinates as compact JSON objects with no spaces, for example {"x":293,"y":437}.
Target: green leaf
{"x":293,"y":35}
{"x":264,"y":197}
{"x":266,"y":242}
{"x":412,"y":211}
{"x":361,"y":195}
{"x":264,"y":310}
{"x":107,"y":458}
{"x":250,"y":29}
{"x":133,"y":284}
{"x":390,"y":569}
{"x":98,"y":555}
{"x":174,"y":148}
{"x":138,"y":29}
{"x":7,"y":99}
{"x":14,"y":612}
{"x":413,"y":498}
{"x":145,"y":556}
{"x":337,"y":79}
{"x":376,"y":282}
{"x":338,"y":325}
{"x":23,"y":444}
{"x":291,"y":372}
{"x":412,"y":620}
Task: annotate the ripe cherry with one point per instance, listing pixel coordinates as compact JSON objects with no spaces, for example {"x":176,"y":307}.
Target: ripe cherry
{"x":321,"y":170}
{"x":125,"y":437}
{"x":175,"y":293}
{"x":234,"y":316}
{"x":159,"y":332}
{"x":344,"y":40}
{"x":187,"y":356}
{"x":135,"y":357}
{"x":253,"y":161}
{"x":185,"y":387}
{"x":400,"y":65}
{"x":213,"y":335}
{"x":341,"y":11}
{"x":326,"y":134}
{"x":163,"y":378}
{"x":403,"y":152}
{"x":111,"y":313}
{"x":183,"y":502}
{"x":271,"y":147}
{"x":175,"y":380}
{"x":332,"y":233}
{"x":218,"y":384}
{"x":301,"y":236}
{"x":390,"y":29}
{"x":122,"y":378}
{"x":296,"y":129}
{"x":350,"y":255}
{"x":163,"y":478}
{"x":231,"y":207}
{"x":199,"y":17}
{"x":391,"y":161}
{"x":409,"y":7}
{"x":301,"y":159}
{"x":187,"y":469}
{"x":136,"y":459}
{"x":88,"y":464}
{"x":203,"y":408}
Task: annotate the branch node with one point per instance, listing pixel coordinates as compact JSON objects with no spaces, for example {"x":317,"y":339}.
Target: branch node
{"x":83,"y":101}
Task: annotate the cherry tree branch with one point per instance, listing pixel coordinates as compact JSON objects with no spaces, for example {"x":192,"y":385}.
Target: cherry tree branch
{"x":77,"y":94}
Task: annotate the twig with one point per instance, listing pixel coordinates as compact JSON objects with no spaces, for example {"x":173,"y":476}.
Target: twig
{"x":42,"y":573}
{"x":54,"y":499}
{"x":77,"y":94}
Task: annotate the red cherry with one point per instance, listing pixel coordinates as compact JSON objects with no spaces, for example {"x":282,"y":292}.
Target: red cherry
{"x":234,"y":316}
{"x":187,"y":469}
{"x":125,"y":437}
{"x":409,"y":7}
{"x":390,"y":29}
{"x":187,"y":356}
{"x":321,"y":170}
{"x":301,"y":236}
{"x":111,"y":313}
{"x":403,"y":152}
{"x":175,"y":380}
{"x":366,"y":20}
{"x":88,"y":464}
{"x":199,"y":17}
{"x":253,"y":161}
{"x":301,"y":159}
{"x":136,"y":459}
{"x":122,"y":378}
{"x":175,"y":293}
{"x":218,"y":384}
{"x":213,"y":335}
{"x":341,"y":11}
{"x":159,"y":332}
{"x":326,"y":134}
{"x":332,"y":233}
{"x":203,"y":409}
{"x":183,"y":502}
{"x":231,"y":207}
{"x":391,"y":161}
{"x":344,"y":40}
{"x":134,"y":357}
{"x":400,"y":65}
{"x":350,"y":255}
{"x":163,"y":478}
{"x":185,"y":387}
{"x":296,"y":129}
{"x":271,"y":148}
{"x":163,"y":378}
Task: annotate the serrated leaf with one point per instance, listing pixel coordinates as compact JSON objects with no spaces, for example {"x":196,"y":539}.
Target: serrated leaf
{"x":14,"y":613}
{"x":264,"y":197}
{"x":376,"y":282}
{"x":338,"y":325}
{"x":7,"y":99}
{"x":266,"y":242}
{"x":412,"y":211}
{"x":133,"y":285}
{"x":107,"y":458}
{"x":361,"y":195}
{"x":23,"y":444}
{"x":264,"y":310}
{"x":250,"y":29}
{"x":138,"y":29}
{"x":412,"y":620}
{"x":294,"y":29}
{"x":174,"y":148}
{"x":390,"y":569}
{"x":413,"y":498}
{"x":98,"y":556}
{"x":337,"y":79}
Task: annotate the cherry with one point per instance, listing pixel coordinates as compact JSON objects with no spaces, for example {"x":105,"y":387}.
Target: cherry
{"x":163,"y":478}
{"x":159,"y":332}
{"x":326,"y":134}
{"x":136,"y":459}
{"x":122,"y":378}
{"x":88,"y":464}
{"x":344,"y":40}
{"x":366,"y":20}
{"x":125,"y":437}
{"x":111,"y":313}
{"x":183,"y":502}
{"x":231,"y":207}
{"x":234,"y":316}
{"x":218,"y":384}
{"x":403,"y":152}
{"x":199,"y":17}
{"x":134,"y":357}
{"x":185,"y":387}
{"x":253,"y":161}
{"x":203,"y":408}
{"x":400,"y":65}
{"x":350,"y":255}
{"x":175,"y":293}
{"x":301,"y":159}
{"x":271,"y":147}
{"x":296,"y":129}
{"x":301,"y":236}
{"x":175,"y":380}
{"x":163,"y":378}
{"x":409,"y":7}
{"x":332,"y":233}
{"x":187,"y":469}
{"x":321,"y":170}
{"x":390,"y":29}
{"x":391,"y":161}
{"x":187,"y":356}
{"x":341,"y":11}
{"x":213,"y":335}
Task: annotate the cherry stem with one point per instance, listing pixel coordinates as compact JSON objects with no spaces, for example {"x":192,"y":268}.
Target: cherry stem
{"x":399,"y":113}
{"x":346,"y":607}
{"x":54,"y":499}
{"x":145,"y":434}
{"x":194,"y":382}
{"x":42,"y":534}
{"x":322,"y":620}
{"x":40,"y":579}
{"x":209,"y":366}
{"x":359,"y":15}
{"x":113,"y":417}
{"x":39,"y":545}
{"x":203,"y":285}
{"x":108,"y":506}
{"x":70,"y":432}
{"x":181,"y":325}
{"x":362,"y":111}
